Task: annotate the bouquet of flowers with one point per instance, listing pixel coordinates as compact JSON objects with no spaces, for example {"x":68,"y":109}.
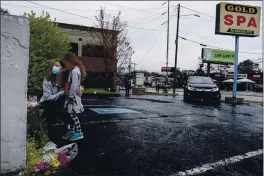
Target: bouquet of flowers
{"x":54,"y":158}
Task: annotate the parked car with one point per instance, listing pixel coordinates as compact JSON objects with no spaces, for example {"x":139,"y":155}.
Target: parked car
{"x":201,"y":87}
{"x":258,"y":88}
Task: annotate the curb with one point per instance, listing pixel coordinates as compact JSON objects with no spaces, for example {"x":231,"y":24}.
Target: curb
{"x":246,"y":102}
{"x":100,"y":95}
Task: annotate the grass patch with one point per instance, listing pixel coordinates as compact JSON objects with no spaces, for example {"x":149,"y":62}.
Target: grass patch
{"x":160,"y":94}
{"x":99,"y":91}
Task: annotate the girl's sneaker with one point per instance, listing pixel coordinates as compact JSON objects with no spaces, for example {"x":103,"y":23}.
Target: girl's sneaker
{"x":68,"y":135}
{"x":76,"y":136}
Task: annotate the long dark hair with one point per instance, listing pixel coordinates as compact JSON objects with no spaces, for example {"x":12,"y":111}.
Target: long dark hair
{"x":65,"y":74}
{"x":50,"y":77}
{"x":72,"y":58}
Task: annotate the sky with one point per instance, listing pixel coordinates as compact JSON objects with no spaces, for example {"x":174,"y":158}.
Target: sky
{"x":147,"y":35}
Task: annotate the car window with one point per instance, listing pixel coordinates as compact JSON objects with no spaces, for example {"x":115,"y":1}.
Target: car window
{"x":200,"y":80}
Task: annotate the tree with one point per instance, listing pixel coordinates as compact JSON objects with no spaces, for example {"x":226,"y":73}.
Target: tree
{"x":48,"y":44}
{"x":4,"y":11}
{"x":248,"y":67}
{"x":112,"y":35}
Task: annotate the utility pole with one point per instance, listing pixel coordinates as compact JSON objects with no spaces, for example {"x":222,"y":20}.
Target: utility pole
{"x":129,"y":67}
{"x":176,"y":49}
{"x":167,"y":54}
{"x":134,"y":79}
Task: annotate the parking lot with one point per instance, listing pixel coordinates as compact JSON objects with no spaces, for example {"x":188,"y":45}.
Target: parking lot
{"x":150,"y":135}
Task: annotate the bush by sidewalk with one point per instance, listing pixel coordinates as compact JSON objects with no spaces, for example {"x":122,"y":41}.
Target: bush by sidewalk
{"x":36,"y":138}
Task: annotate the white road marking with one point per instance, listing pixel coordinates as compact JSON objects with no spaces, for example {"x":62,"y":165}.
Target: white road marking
{"x":212,"y":166}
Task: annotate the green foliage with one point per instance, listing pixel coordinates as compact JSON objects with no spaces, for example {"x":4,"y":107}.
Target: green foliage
{"x":36,"y":127}
{"x":248,"y":67}
{"x":36,"y":139}
{"x":48,"y":44}
{"x":33,"y":155}
{"x":4,"y":11}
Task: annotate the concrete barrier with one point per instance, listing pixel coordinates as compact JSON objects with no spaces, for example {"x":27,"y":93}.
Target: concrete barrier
{"x":14,"y":70}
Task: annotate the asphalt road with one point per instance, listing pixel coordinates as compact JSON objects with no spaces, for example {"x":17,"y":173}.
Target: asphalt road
{"x":165,"y":136}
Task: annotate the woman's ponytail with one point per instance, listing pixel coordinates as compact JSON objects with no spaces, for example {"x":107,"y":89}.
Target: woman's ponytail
{"x":82,"y":69}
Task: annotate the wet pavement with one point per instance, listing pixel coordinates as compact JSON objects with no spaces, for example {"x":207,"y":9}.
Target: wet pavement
{"x":247,"y":95}
{"x":163,"y":135}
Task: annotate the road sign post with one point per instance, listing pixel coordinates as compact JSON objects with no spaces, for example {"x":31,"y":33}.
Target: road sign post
{"x":235,"y":67}
{"x":237,"y":20}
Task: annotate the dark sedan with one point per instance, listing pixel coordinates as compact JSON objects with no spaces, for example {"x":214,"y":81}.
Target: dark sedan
{"x":200,"y":87}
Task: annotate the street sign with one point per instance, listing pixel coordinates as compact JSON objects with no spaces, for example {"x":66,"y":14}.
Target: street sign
{"x":169,"y":69}
{"x":218,"y":56}
{"x":256,"y":76}
{"x":237,"y":19}
{"x":229,"y":76}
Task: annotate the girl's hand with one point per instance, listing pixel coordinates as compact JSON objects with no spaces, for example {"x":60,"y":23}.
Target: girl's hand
{"x":80,"y":91}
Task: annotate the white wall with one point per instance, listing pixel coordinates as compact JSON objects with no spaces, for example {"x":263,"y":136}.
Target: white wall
{"x":14,"y":66}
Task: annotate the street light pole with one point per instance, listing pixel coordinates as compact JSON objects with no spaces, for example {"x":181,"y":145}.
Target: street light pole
{"x":176,"y":50}
{"x":129,"y":67}
{"x":167,"y":54}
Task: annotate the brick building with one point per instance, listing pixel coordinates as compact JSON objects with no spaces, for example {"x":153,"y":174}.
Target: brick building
{"x":92,"y":55}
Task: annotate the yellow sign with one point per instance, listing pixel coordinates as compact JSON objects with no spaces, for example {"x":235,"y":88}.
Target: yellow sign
{"x":237,"y":19}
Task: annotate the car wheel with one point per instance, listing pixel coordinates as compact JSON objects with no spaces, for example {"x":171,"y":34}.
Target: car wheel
{"x":218,"y":99}
{"x":185,"y":97}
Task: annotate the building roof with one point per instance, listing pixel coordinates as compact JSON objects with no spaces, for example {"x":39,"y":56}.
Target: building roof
{"x":79,"y":27}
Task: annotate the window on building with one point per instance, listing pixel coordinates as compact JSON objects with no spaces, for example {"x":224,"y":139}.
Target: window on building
{"x":93,"y":51}
{"x":74,"y":48}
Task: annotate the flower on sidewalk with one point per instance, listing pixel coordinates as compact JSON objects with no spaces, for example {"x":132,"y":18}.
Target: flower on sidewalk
{"x":40,"y":165}
{"x":62,"y":158}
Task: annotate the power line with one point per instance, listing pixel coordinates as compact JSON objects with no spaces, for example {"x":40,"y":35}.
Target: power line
{"x":220,"y":41}
{"x":154,"y":42}
{"x":85,"y":16}
{"x":188,"y":3}
{"x":152,"y":45}
{"x":205,"y":45}
{"x":197,"y":12}
{"x":129,"y":7}
{"x":147,"y":20}
{"x":80,"y":9}
{"x":210,"y":20}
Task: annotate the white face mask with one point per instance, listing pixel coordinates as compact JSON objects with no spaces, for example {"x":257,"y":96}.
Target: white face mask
{"x":56,"y":70}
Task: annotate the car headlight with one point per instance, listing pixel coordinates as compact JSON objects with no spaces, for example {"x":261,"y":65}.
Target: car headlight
{"x":191,"y":88}
{"x":215,"y":89}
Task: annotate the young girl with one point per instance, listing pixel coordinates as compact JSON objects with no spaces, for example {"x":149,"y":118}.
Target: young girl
{"x":73,"y":102}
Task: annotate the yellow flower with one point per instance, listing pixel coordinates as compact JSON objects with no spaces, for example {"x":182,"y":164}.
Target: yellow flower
{"x":54,"y":162}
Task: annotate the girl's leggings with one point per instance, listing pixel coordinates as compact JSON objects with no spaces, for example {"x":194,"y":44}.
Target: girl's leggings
{"x":73,"y":122}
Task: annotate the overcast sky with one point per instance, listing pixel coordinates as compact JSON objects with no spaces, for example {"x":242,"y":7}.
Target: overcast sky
{"x":144,"y":19}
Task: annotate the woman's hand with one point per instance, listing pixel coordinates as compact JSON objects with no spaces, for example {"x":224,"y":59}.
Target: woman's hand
{"x":67,"y":88}
{"x":31,"y":105}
